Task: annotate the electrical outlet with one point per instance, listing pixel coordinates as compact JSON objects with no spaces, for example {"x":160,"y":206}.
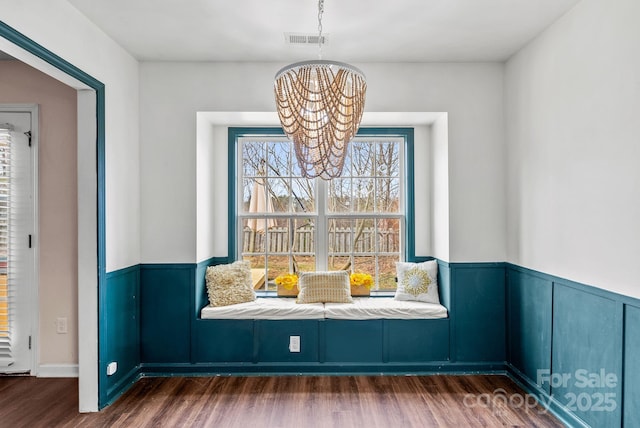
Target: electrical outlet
{"x":294,"y":343}
{"x":61,"y":325}
{"x":112,"y":368}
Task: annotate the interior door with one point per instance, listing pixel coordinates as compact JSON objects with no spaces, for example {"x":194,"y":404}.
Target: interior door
{"x":17,"y":291}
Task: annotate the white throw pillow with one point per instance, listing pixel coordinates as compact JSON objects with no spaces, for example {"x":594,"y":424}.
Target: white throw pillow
{"x":229,"y":284}
{"x":418,"y":281}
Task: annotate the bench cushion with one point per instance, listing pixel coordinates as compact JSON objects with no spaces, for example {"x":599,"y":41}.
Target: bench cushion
{"x":265,"y":309}
{"x":365,"y":308}
{"x":368,"y":308}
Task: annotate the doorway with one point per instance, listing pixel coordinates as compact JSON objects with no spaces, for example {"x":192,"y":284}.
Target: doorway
{"x":18,"y":187}
{"x":91,"y":196}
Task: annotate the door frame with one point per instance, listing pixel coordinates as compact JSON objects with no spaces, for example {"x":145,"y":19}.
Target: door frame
{"x":34,"y":260}
{"x":91,"y":198}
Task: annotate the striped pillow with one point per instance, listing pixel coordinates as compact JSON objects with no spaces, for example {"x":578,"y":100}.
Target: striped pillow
{"x":323,"y":287}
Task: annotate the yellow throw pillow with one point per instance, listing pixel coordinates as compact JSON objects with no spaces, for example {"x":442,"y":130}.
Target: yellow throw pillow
{"x":324,"y":287}
{"x":229,"y":284}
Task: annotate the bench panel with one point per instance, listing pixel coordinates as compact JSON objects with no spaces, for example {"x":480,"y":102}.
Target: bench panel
{"x":222,"y":341}
{"x":353,"y":341}
{"x":273,"y":340}
{"x":417,"y":340}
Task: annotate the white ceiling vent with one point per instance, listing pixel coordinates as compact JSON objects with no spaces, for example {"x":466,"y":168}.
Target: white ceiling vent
{"x":301,"y":39}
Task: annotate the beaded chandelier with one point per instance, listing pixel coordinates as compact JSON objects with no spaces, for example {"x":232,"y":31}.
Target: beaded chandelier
{"x":320,"y":105}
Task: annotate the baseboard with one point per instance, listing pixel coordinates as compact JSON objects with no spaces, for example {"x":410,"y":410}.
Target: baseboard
{"x":318,"y":369}
{"x":119,"y":388}
{"x":547,"y":401}
{"x":57,"y":370}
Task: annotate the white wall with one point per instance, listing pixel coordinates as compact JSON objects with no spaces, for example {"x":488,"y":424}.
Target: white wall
{"x":172,"y":93}
{"x":440,"y":195}
{"x":572,"y":109}
{"x":59,"y":27}
{"x":211,"y":202}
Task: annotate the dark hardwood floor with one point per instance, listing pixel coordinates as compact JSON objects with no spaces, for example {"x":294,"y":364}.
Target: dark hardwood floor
{"x":283,"y":401}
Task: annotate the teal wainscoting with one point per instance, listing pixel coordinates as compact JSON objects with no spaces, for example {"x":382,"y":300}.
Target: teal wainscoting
{"x":478,"y":313}
{"x":631,"y":414}
{"x":166,"y":302}
{"x":587,"y":342}
{"x":119,"y":332}
{"x":328,"y":346}
{"x":529,"y":302}
{"x":575,"y":347}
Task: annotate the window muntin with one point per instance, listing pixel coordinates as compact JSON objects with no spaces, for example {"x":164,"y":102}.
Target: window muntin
{"x":288,"y":223}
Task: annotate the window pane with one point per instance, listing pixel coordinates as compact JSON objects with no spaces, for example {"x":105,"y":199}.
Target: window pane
{"x":256,"y":198}
{"x":363,"y":195}
{"x":277,"y":265}
{"x":304,"y":236}
{"x":303,"y":195}
{"x":339,"y":195}
{"x":340,"y":263}
{"x":365,"y":264}
{"x":388,"y":195}
{"x":388,"y":235}
{"x":253,"y":239}
{"x":279,"y":195}
{"x":247,"y":188}
{"x":253,"y":157}
{"x":386,"y":277}
{"x":278,"y":238}
{"x":387,"y":159}
{"x":362,"y":158}
{"x":295,"y":166}
{"x":278,"y":159}
{"x":304,"y":263}
{"x":258,"y":271}
{"x":366,"y":245}
{"x":340,"y":236}
{"x":364,"y":236}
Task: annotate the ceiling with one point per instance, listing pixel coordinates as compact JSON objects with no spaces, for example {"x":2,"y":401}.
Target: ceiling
{"x":357,"y":30}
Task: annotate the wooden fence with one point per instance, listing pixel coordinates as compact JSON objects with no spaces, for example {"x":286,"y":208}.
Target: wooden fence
{"x":340,"y":241}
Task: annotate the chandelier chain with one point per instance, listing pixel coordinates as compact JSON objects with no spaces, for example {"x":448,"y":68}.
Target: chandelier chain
{"x":320,"y":105}
{"x":320,"y":12}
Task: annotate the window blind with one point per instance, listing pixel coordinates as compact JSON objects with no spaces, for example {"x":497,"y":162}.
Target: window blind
{"x":6,"y":293}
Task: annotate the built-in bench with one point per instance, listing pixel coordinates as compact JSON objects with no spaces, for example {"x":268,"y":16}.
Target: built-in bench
{"x":334,"y":338}
{"x":362,"y":308}
{"x":175,"y":339}
{"x":374,"y":334}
